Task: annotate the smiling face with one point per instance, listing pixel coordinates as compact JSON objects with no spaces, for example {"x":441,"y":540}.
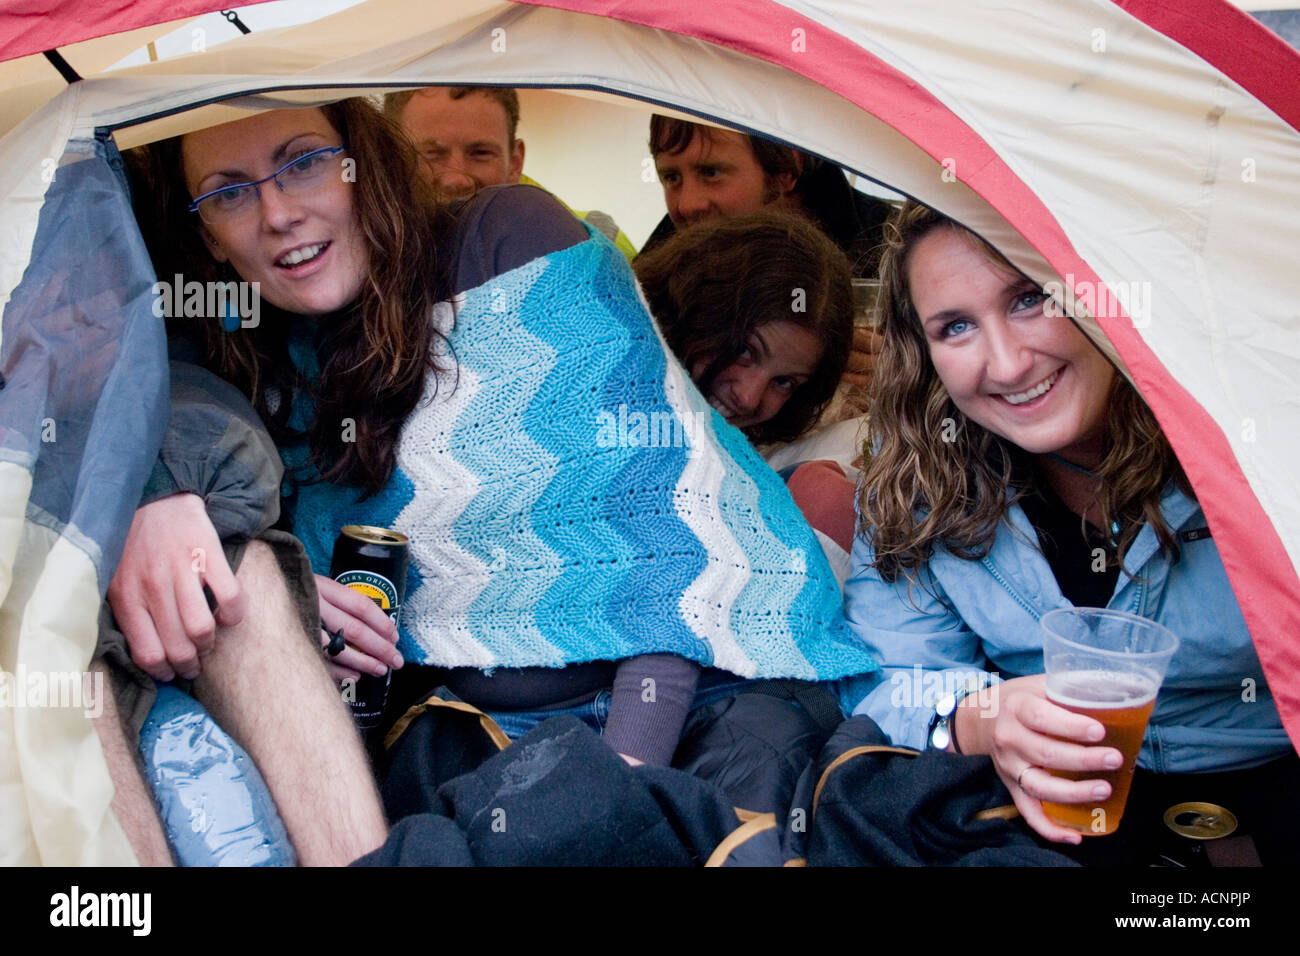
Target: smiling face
{"x":1027,"y":375}
{"x":464,"y":143}
{"x":780,"y":357}
{"x":306,"y":249}
{"x":716,"y":177}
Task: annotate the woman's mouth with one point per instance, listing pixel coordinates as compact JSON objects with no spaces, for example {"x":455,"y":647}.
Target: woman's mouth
{"x":720,"y":406}
{"x":1031,"y":394}
{"x":302,"y":256}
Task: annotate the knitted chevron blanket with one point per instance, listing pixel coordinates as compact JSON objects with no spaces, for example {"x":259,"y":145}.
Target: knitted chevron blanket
{"x":574,"y":498}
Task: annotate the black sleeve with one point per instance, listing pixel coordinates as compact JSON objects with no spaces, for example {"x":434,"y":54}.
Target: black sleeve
{"x":504,"y":227}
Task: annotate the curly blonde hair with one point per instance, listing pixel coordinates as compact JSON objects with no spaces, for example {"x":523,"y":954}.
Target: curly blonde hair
{"x":934,"y":477}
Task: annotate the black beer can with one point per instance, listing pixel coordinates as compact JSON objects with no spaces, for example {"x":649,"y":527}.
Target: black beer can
{"x":372,"y":561}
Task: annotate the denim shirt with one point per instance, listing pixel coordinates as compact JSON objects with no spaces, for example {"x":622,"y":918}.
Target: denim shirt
{"x":1214,"y":710}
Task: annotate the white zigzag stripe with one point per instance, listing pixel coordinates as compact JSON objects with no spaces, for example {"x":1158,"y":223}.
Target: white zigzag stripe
{"x":453,"y":578}
{"x":706,"y":604}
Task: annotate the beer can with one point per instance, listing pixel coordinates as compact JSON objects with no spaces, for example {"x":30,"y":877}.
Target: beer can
{"x":372,"y":561}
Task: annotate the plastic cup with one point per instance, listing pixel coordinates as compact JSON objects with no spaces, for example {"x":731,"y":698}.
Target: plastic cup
{"x":865,"y":293}
{"x":1108,"y":665}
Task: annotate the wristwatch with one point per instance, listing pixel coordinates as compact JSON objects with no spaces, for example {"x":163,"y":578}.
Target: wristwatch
{"x":940,"y":734}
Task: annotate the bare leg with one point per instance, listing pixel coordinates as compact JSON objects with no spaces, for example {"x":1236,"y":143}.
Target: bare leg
{"x":265,"y":684}
{"x":132,"y":803}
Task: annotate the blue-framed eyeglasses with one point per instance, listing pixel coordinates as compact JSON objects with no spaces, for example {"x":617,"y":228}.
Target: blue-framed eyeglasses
{"x":300,"y":175}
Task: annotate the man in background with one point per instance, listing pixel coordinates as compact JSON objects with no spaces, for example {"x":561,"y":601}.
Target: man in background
{"x":709,"y":173}
{"x":465,"y":136}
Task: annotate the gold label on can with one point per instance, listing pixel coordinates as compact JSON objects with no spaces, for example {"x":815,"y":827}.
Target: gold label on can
{"x":374,"y":586}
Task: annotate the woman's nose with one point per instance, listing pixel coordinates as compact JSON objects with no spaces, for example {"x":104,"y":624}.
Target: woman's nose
{"x":280,"y":210}
{"x":747,"y":388}
{"x":1008,"y":358}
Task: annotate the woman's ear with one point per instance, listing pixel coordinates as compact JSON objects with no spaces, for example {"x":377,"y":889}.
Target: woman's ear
{"x":213,"y":245}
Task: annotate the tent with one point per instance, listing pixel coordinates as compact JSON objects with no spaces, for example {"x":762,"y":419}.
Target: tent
{"x":1143,"y":155}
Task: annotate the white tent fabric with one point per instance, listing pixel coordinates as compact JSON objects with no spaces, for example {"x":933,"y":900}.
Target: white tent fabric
{"x":1088,"y":146}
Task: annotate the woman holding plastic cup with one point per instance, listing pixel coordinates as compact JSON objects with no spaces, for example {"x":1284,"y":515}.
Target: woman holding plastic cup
{"x":1012,"y":471}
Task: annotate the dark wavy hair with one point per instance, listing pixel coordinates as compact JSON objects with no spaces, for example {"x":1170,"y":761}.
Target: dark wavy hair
{"x":710,"y":286}
{"x":374,"y":355}
{"x":920,"y":489}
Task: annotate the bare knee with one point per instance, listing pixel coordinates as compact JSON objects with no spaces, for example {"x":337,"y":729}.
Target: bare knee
{"x":258,"y":565}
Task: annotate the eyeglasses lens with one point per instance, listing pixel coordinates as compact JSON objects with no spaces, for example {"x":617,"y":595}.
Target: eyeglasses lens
{"x":302,"y":175}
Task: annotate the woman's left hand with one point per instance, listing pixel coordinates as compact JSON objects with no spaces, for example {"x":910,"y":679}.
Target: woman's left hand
{"x":368,"y":631}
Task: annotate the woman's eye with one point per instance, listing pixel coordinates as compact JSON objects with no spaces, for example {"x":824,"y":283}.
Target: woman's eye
{"x":230,"y":196}
{"x":305,"y":163}
{"x":955,"y":327}
{"x":1028,"y":300}
{"x":745,"y":355}
{"x":784,"y":383}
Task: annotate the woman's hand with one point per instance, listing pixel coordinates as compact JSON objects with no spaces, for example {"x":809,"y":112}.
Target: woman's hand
{"x":369,"y":633}
{"x":156,"y":594}
{"x":1015,"y":724}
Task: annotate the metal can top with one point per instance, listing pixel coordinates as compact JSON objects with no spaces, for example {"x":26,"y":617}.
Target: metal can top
{"x":372,"y":535}
{"x":1200,"y":821}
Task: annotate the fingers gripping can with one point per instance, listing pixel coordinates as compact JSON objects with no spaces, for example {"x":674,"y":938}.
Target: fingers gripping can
{"x":372,"y":561}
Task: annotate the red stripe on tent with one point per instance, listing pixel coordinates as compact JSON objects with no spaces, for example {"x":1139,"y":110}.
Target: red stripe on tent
{"x":1234,"y":43}
{"x":31,"y":26}
{"x":1258,"y":566}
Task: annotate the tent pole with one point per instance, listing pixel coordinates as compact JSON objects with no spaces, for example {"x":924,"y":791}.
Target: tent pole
{"x":63,"y":66}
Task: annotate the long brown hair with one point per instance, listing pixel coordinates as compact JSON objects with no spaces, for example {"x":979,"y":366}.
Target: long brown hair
{"x":934,"y":477}
{"x":374,"y":355}
{"x":711,"y":286}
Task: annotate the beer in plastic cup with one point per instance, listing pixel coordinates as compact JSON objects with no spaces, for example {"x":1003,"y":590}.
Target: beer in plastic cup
{"x":1107,"y":665}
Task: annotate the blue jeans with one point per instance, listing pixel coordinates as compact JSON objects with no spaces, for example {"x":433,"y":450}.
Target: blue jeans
{"x":515,"y":723}
{"x":713,"y":684}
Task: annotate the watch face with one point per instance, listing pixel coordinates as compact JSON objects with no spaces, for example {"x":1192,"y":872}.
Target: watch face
{"x":946,"y":705}
{"x":940,"y":738}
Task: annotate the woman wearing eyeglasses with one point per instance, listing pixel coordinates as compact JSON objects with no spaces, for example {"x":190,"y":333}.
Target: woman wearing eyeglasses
{"x":352,"y":369}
